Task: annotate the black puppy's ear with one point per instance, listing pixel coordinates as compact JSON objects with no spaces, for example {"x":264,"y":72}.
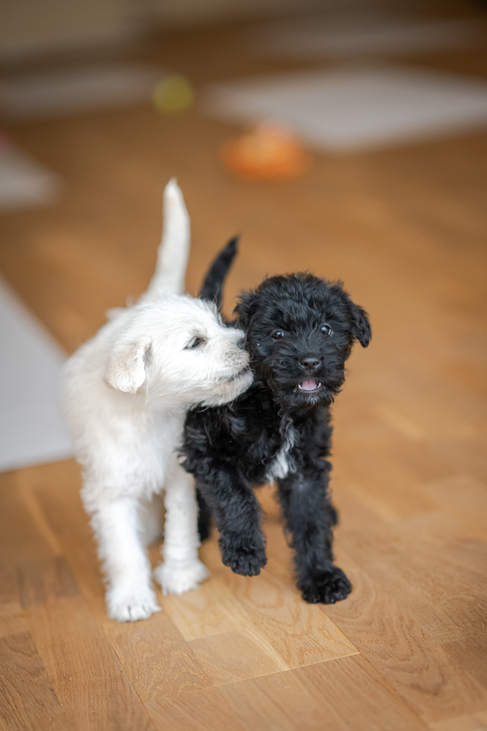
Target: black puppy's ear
{"x":361,"y":329}
{"x":245,"y":308}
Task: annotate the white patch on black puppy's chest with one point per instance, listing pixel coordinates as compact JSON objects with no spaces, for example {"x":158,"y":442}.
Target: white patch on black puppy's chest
{"x":283,"y":464}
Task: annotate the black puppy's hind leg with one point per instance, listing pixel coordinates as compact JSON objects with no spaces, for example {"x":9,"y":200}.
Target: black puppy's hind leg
{"x":204,"y":517}
{"x":310,"y":517}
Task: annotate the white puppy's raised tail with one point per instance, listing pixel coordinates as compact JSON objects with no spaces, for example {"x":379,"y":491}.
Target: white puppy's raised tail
{"x":173,"y":252}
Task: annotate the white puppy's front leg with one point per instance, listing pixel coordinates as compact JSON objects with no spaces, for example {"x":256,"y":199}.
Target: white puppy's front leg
{"x":181,"y":569}
{"x":118,"y":530}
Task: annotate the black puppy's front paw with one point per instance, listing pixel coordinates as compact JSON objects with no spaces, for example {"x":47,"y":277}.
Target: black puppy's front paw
{"x":244,"y":561}
{"x":326,"y":587}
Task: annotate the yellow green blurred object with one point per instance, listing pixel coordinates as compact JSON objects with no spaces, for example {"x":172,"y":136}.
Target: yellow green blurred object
{"x":172,"y":94}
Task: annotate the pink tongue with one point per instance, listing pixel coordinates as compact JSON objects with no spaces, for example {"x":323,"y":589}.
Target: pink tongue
{"x":309,"y":385}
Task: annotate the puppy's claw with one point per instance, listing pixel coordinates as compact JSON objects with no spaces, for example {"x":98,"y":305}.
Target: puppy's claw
{"x":132,"y":608}
{"x":328,"y":587}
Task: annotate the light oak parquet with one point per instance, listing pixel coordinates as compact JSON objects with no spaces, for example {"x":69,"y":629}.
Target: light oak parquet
{"x":405,"y":229}
{"x":28,"y":700}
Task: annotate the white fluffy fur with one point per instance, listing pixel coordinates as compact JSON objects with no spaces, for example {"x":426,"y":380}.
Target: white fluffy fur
{"x":126,"y":393}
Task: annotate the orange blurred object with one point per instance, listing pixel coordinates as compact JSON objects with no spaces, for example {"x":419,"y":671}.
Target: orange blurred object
{"x":265,"y":152}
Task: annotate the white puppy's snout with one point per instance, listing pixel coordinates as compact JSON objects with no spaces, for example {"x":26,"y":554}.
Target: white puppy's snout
{"x":239,"y":338}
{"x":238,"y":347}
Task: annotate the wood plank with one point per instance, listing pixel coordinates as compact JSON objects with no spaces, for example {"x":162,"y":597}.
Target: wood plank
{"x":442,"y":534}
{"x":212,"y":609}
{"x":27,"y":698}
{"x":233,"y":656}
{"x":55,"y":488}
{"x":469,"y":656}
{"x":27,"y":481}
{"x":278,"y":702}
{"x":215,"y":625}
{"x":402,"y":651}
{"x":153,"y":653}
{"x":267,"y":611}
{"x":391,"y":476}
{"x":12,"y":623}
{"x":85,"y":673}
{"x":156,"y":658}
{"x":198,"y":711}
{"x":418,"y":579}
{"x":337,"y":695}
{"x":472,"y":722}
{"x":463,"y":456}
{"x":21,"y":537}
{"x":359,"y":696}
{"x":41,"y":581}
{"x":9,"y":587}
{"x":465,"y":499}
{"x":298,"y":632}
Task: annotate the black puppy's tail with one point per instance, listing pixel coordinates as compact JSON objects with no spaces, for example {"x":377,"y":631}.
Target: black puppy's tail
{"x":212,"y":288}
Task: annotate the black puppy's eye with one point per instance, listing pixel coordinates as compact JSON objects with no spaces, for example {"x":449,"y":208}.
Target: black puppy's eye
{"x":277,"y":334}
{"x":195,"y":343}
{"x":326,"y":330}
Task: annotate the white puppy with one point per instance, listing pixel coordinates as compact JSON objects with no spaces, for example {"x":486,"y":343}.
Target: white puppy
{"x":126,"y":394}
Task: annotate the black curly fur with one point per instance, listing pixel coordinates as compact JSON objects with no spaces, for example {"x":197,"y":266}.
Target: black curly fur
{"x":299,"y":330}
{"x":212,"y":287}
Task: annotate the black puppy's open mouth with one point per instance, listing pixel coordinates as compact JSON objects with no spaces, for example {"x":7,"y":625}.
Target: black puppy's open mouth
{"x":309,"y":386}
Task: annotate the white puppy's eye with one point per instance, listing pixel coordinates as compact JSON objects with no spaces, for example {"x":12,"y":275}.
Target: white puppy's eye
{"x":195,"y":343}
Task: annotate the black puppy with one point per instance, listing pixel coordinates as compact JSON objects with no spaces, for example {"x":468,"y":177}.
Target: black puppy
{"x":299,"y":332}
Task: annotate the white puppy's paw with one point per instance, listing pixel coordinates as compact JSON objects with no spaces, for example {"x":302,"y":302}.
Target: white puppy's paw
{"x":131,"y":605}
{"x":176,"y":578}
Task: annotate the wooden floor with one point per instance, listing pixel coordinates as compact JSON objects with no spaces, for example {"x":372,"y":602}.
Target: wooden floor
{"x":405,"y":229}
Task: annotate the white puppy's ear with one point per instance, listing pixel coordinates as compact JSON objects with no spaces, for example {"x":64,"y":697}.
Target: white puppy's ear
{"x":126,"y":370}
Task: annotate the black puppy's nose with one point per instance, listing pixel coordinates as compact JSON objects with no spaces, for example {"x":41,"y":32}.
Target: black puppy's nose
{"x":310,"y":362}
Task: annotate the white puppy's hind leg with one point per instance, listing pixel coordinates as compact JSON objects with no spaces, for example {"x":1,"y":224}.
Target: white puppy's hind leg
{"x":118,"y":530}
{"x":181,"y":569}
{"x":151,"y":519}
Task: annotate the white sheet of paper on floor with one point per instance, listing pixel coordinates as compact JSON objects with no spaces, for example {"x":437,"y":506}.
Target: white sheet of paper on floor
{"x":31,"y":425}
{"x":355,"y":108}
{"x":25,"y":182}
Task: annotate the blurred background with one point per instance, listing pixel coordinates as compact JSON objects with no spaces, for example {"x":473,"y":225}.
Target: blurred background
{"x":344,"y":138}
{"x":347,"y":138}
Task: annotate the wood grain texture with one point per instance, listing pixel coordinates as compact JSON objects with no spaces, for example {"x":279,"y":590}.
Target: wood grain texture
{"x":156,"y":658}
{"x":27,"y":698}
{"x":473,"y":722}
{"x":405,"y":229}
{"x":336,"y":695}
{"x":86,"y":675}
{"x":196,"y":711}
{"x":403,"y":652}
